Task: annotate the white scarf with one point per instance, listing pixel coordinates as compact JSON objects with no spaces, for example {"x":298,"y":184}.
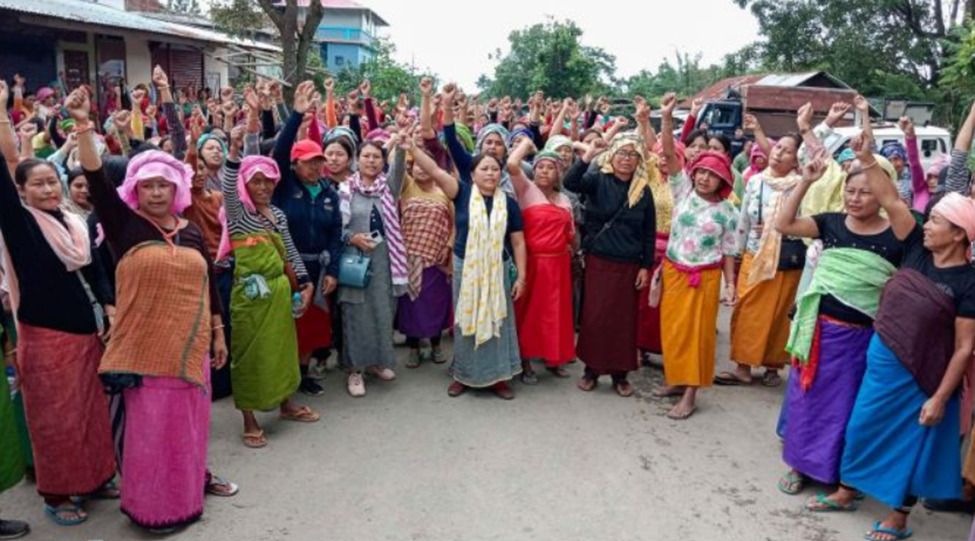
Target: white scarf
{"x":483,"y":306}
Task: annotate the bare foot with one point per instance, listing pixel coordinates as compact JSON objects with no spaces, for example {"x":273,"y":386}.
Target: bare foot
{"x":681,"y":411}
{"x":666,"y":392}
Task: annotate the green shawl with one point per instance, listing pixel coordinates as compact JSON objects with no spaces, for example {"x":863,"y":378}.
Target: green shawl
{"x":853,"y":276}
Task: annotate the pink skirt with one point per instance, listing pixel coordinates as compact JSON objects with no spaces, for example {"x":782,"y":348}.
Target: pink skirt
{"x":167,"y":429}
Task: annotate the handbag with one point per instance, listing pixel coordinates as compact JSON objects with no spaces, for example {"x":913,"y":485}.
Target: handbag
{"x":792,"y":251}
{"x":355,"y":269}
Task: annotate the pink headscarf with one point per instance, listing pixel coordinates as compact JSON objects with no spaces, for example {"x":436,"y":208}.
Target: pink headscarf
{"x":251,"y":166}
{"x":960,"y":211}
{"x":379,"y":134}
{"x":756,"y":153}
{"x":157,"y":164}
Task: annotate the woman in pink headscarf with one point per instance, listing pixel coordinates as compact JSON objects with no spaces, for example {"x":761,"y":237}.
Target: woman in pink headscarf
{"x":167,"y":321}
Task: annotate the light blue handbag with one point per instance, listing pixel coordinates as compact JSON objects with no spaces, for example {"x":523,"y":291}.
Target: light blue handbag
{"x":354,"y":269}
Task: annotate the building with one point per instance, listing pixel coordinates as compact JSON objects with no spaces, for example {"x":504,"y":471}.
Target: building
{"x":345,"y":35}
{"x":99,"y":42}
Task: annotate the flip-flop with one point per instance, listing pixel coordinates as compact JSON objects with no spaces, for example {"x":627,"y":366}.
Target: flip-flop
{"x":792,"y":483}
{"x":304,"y":414}
{"x":54,"y":513}
{"x":879,"y":528}
{"x":255,"y":440}
{"x":216,"y":481}
{"x":682,"y":416}
{"x":729,"y":379}
{"x":829,"y":506}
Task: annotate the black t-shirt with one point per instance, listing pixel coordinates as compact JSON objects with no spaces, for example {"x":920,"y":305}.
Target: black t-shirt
{"x":957,"y":281}
{"x":835,"y":234}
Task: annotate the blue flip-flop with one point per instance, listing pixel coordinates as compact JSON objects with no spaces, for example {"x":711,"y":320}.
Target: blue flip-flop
{"x":52,"y":512}
{"x":878,"y":528}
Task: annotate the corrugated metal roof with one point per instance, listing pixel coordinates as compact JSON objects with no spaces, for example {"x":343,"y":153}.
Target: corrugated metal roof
{"x":85,"y":12}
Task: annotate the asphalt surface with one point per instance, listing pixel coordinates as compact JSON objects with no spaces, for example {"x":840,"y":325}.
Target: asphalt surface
{"x":408,"y":463}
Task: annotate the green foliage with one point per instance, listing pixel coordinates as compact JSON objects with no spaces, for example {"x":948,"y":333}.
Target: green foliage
{"x":238,"y":18}
{"x":688,"y":77}
{"x":185,"y":7}
{"x":389,"y":77}
{"x":550,"y":57}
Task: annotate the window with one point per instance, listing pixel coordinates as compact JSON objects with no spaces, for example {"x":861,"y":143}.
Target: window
{"x":339,"y":60}
{"x":931,"y":147}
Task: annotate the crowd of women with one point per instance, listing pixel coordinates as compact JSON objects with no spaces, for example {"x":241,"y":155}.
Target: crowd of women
{"x":273,"y":235}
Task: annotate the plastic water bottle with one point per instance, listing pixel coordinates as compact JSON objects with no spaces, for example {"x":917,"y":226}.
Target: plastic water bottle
{"x":296,"y":305}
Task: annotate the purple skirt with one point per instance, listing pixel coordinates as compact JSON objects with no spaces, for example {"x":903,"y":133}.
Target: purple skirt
{"x":430,"y":314}
{"x":815,"y":434}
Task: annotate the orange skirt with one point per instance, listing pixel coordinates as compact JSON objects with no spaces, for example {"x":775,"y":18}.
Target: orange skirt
{"x":760,"y":323}
{"x":689,"y":327}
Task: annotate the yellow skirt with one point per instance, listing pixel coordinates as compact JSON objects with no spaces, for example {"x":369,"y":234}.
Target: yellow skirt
{"x":688,"y":328}
{"x":760,"y":323}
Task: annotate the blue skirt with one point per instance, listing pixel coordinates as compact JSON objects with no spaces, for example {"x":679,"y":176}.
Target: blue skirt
{"x":888,"y":454}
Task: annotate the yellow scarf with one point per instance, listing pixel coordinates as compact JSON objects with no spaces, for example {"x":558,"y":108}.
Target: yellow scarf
{"x":483,"y":305}
{"x":646,"y":173}
{"x":766,"y":260}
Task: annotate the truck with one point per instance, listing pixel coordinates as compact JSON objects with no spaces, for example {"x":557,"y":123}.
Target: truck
{"x":773,"y":99}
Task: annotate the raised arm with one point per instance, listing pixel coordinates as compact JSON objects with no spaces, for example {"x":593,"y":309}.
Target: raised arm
{"x":445,"y":180}
{"x":457,"y":151}
{"x":901,"y":219}
{"x":618,"y":124}
{"x":8,"y":139}
{"x":113,"y":213}
{"x":787,"y":222}
{"x":577,"y":178}
{"x":667,"y":133}
{"x":518,"y":179}
{"x":426,"y":108}
{"x":366,"y":90}
{"x":752,"y":123}
{"x":959,"y":177}
{"x":691,"y":123}
{"x":642,"y":116}
{"x":918,"y":181}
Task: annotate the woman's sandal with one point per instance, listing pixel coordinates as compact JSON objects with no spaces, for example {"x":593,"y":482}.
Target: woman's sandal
{"x":56,"y":514}
{"x":413,"y":361}
{"x":221,"y":487}
{"x":771,"y":379}
{"x":304,"y":414}
{"x":822,"y":504}
{"x":528,"y":377}
{"x":890,"y":533}
{"x":792,"y":483}
{"x":255,"y":440}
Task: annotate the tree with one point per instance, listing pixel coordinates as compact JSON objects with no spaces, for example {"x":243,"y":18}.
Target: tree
{"x":866,"y":43}
{"x":550,"y":57}
{"x":187,"y":7}
{"x":688,"y":77}
{"x":296,"y":28}
{"x":389,"y":78}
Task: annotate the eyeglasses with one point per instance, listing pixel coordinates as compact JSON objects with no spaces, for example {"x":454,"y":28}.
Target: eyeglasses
{"x":623,"y":154}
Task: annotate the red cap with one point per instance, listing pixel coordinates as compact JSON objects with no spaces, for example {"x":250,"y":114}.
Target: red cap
{"x":306,"y":150}
{"x":719,"y":164}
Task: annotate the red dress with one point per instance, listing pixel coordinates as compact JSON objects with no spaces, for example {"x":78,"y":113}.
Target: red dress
{"x":648,"y":319}
{"x":544,"y":312}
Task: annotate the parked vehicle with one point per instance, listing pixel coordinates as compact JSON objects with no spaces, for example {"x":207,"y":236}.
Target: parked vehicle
{"x":933,"y":142}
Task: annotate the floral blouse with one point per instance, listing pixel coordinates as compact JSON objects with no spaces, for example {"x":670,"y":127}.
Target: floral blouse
{"x":702,"y":232}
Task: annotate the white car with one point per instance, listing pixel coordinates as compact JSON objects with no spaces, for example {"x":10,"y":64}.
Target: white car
{"x":933,"y":142}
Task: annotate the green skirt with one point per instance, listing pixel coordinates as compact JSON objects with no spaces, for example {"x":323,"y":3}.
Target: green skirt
{"x":11,"y":456}
{"x":264,"y":347}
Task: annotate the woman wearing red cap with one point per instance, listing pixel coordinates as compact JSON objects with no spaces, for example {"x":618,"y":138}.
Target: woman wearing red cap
{"x":702,"y":245}
{"x":311,"y":204}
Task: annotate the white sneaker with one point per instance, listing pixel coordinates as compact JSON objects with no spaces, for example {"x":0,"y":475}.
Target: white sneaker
{"x":385,"y":374}
{"x":357,"y":386}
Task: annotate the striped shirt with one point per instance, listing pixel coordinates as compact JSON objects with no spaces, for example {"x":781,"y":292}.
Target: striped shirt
{"x":242,"y":222}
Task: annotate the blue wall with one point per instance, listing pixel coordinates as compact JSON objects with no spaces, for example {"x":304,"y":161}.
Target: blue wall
{"x":339,"y":56}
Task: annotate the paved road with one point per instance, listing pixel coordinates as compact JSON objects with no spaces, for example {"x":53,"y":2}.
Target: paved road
{"x":408,"y":463}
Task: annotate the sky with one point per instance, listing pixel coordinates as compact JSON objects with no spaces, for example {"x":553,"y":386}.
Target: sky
{"x":640,"y":35}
